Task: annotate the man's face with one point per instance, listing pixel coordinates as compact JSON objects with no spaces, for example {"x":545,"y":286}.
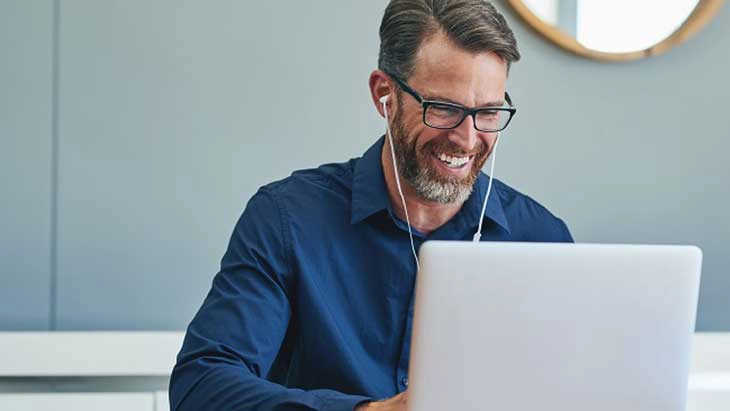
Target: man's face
{"x":444,"y":72}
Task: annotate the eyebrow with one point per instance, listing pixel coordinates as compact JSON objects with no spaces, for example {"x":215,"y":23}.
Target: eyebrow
{"x":435,"y":98}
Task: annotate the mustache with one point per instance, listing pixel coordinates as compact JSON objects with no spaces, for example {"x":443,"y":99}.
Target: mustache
{"x":446,"y":146}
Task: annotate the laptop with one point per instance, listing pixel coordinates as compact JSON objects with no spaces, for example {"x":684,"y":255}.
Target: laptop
{"x":563,"y":327}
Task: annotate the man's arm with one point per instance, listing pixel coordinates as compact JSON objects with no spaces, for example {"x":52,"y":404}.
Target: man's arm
{"x":397,"y":403}
{"x":563,"y":233}
{"x":233,"y":340}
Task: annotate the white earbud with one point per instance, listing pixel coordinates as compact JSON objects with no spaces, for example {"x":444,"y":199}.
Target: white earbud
{"x":384,"y":99}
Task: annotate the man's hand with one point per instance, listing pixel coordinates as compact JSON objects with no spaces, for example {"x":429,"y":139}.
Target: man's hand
{"x":397,"y":403}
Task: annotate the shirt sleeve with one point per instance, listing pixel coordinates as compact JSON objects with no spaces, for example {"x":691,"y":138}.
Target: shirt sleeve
{"x":563,"y":233}
{"x":235,"y":337}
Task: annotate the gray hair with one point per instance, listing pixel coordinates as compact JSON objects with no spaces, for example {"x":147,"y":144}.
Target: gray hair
{"x":474,"y":25}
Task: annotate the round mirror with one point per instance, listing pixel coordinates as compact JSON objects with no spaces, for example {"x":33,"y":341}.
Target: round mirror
{"x":617,"y":30}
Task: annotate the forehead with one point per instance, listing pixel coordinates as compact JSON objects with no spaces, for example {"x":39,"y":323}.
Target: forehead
{"x":444,"y":69}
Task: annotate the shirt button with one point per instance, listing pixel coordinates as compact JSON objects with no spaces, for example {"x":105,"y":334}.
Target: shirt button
{"x":404,"y":381}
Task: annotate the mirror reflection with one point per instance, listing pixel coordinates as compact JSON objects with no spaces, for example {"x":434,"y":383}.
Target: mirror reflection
{"x":614,"y":26}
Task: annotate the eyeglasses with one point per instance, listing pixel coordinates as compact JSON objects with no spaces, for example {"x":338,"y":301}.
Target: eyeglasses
{"x":445,"y":116}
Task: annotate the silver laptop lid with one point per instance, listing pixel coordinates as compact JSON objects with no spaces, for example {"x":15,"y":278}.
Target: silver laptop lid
{"x":527,"y":326}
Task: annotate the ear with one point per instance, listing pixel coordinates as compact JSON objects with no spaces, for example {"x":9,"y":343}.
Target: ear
{"x":380,"y":86}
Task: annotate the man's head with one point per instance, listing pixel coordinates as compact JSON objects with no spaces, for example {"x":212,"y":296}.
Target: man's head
{"x":456,"y":51}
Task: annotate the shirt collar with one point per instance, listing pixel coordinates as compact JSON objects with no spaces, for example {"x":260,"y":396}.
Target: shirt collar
{"x":370,"y":194}
{"x":495,"y":210}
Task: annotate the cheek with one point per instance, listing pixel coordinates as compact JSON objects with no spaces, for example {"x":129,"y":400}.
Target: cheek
{"x":425,"y":135}
{"x":489,"y":139}
{"x":413,"y":124}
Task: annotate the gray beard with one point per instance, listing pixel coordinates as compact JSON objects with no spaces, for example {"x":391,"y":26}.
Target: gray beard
{"x":443,"y":192}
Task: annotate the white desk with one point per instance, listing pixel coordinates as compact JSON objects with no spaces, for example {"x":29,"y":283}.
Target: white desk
{"x":152,"y":354}
{"x":709,"y":381}
{"x":89,"y":356}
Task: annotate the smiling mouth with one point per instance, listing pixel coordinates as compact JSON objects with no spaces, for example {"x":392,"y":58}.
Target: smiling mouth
{"x":454,"y":162}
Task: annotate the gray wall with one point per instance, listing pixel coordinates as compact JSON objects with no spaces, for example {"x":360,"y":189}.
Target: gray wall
{"x":26,"y":55}
{"x":122,"y":179}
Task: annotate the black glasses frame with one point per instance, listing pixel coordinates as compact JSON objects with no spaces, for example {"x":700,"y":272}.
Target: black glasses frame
{"x":466,"y":111}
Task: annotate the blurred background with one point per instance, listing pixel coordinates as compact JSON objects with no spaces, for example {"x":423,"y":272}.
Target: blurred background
{"x":132,"y":134}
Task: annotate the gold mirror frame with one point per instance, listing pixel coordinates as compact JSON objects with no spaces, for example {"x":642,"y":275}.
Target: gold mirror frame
{"x":701,"y":15}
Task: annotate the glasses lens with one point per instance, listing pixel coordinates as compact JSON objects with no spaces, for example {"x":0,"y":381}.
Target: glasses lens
{"x":443,"y":116}
{"x":492,"y":120}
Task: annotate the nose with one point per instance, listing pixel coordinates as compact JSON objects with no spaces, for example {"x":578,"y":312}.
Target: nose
{"x":465,"y":135}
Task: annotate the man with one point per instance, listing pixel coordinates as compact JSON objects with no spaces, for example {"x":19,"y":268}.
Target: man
{"x":313,"y":304}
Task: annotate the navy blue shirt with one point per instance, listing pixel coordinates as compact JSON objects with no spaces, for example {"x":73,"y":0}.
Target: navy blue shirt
{"x":313,"y":304}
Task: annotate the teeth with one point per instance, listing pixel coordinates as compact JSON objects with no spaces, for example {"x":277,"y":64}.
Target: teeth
{"x":453,"y":161}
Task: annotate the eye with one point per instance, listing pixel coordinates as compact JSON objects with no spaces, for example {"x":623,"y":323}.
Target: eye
{"x":488,"y":114}
{"x":443,"y":111}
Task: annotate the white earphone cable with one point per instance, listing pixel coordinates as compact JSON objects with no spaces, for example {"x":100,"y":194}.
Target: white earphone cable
{"x":478,"y":234}
{"x":384,"y":101}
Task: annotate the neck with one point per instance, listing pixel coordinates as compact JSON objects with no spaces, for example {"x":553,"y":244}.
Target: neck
{"x":425,"y":216}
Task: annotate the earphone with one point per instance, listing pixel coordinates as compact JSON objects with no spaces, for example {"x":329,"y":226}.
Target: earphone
{"x":477,"y":236}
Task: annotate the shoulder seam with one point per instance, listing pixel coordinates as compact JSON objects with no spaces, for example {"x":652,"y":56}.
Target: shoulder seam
{"x":285,"y":230}
{"x":507,"y":189}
